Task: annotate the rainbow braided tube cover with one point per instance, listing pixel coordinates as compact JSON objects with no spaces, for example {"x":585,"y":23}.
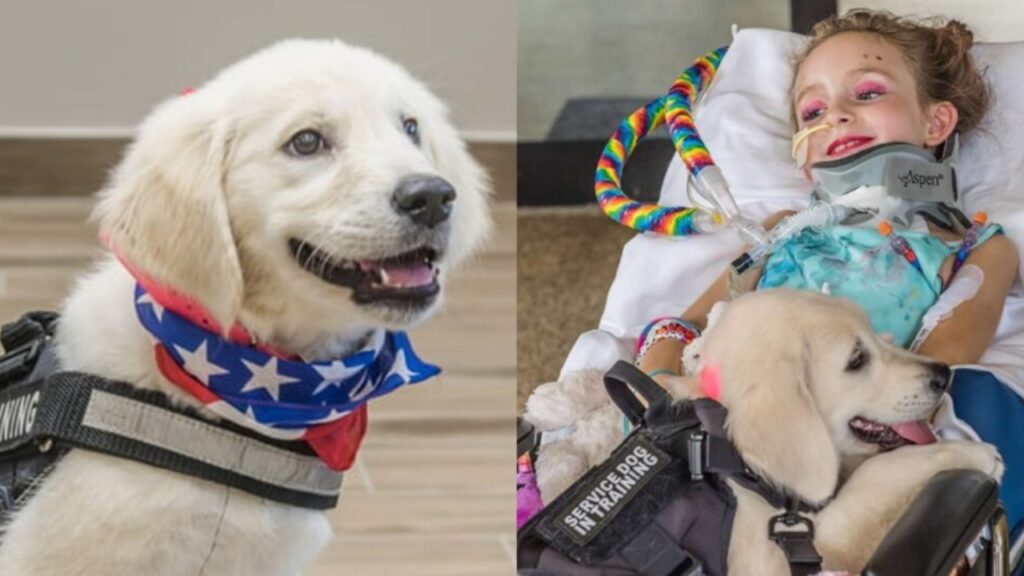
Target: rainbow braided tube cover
{"x":676,"y":109}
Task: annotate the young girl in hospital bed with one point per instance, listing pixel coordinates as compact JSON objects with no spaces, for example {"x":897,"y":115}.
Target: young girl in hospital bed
{"x":867,"y":80}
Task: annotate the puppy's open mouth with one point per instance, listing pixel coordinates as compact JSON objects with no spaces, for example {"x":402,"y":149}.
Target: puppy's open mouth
{"x":410,"y":277}
{"x":891,"y":436}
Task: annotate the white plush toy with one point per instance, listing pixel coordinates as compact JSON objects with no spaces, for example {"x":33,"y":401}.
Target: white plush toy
{"x":579,"y":423}
{"x":579,"y":427}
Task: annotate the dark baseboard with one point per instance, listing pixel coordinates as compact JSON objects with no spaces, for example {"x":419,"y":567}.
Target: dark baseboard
{"x":43,"y":167}
{"x":562,"y":173}
{"x":56,"y":166}
{"x":804,"y":14}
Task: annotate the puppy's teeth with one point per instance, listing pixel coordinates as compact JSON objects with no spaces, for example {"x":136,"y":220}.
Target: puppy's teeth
{"x":385,"y":279}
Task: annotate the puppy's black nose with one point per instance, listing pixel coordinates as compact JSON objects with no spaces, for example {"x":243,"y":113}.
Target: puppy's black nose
{"x":940,"y":377}
{"x":424,"y":198}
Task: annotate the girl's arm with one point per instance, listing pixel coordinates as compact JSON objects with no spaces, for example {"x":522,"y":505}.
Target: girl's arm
{"x":666,"y":354}
{"x":964,"y":336}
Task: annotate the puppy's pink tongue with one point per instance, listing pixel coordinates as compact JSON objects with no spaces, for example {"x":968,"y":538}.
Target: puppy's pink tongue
{"x":406,"y":275}
{"x":917,"y":432}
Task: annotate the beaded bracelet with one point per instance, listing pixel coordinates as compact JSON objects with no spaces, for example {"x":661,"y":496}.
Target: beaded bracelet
{"x":662,"y":328}
{"x":661,"y":371}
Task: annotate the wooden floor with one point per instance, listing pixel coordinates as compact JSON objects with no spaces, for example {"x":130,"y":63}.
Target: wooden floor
{"x":562,"y":284}
{"x":432,"y":491}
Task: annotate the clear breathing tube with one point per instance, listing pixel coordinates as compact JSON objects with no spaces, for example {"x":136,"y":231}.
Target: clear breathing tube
{"x":818,"y":215}
{"x":709,"y":193}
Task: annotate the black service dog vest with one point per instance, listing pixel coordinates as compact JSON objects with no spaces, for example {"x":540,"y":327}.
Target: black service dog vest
{"x":660,"y":504}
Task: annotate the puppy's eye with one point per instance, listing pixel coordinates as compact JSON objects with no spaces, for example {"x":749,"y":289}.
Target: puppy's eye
{"x":858,"y":360}
{"x":306,"y":143}
{"x":412,"y":128}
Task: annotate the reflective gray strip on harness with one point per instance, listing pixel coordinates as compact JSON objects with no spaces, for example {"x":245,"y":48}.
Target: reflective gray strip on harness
{"x":208,"y":443}
{"x":85,"y":411}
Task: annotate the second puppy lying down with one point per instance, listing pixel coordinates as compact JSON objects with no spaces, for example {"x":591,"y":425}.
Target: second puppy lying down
{"x":827,"y":413}
{"x":815,"y":400}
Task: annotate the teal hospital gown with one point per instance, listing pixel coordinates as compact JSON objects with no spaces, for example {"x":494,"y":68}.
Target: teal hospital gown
{"x":861,"y":265}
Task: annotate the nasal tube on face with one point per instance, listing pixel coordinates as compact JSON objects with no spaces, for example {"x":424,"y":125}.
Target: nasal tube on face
{"x":800,"y":142}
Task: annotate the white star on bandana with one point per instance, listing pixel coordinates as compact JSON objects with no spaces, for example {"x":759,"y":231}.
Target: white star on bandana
{"x":147,"y":298}
{"x":198,"y":363}
{"x":266,"y":377}
{"x":335,"y":373}
{"x":401,"y":367}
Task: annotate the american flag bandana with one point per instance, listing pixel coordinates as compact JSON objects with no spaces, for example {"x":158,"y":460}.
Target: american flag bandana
{"x":323,"y":403}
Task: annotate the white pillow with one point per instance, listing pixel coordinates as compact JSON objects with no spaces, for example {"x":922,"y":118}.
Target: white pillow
{"x":744,"y":120}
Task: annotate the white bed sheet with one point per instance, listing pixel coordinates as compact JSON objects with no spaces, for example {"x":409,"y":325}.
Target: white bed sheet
{"x":744,"y":120}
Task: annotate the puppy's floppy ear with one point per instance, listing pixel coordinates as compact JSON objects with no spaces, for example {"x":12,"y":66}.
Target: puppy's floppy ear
{"x":164,"y":208}
{"x":773,"y":419}
{"x":471,"y":217}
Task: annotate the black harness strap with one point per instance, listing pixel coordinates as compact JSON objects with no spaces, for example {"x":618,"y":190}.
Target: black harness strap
{"x":653,"y":552}
{"x":72,"y":409}
{"x":63,"y":410}
{"x":710,"y":452}
{"x":23,"y":342}
{"x":620,"y":379}
{"x":31,"y":326}
{"x":795,"y":535}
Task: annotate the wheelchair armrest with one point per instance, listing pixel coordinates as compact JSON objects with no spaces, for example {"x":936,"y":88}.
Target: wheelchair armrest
{"x":937,"y":528}
{"x":528,"y":438}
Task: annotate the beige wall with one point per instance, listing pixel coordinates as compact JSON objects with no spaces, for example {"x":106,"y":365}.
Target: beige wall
{"x":991,"y":20}
{"x":76,"y":67}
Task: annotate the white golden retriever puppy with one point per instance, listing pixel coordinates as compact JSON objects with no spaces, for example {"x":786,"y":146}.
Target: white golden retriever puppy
{"x":818,"y":405}
{"x":309,"y":193}
{"x":831,"y":413}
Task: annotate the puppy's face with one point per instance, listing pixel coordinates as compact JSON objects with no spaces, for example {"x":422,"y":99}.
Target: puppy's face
{"x":329,"y":181}
{"x":807,"y":383}
{"x":346,"y":184}
{"x":868,"y":391}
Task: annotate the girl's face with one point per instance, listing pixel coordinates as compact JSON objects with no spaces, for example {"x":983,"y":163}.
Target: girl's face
{"x":861,"y":86}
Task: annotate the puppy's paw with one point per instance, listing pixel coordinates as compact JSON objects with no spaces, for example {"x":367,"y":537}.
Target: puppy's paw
{"x":682,"y":387}
{"x":982,"y":457}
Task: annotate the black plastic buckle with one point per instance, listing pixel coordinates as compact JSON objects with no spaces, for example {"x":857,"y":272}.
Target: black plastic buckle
{"x":19,"y":362}
{"x":695,"y":455}
{"x":795,"y":535}
{"x":528,"y":440}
